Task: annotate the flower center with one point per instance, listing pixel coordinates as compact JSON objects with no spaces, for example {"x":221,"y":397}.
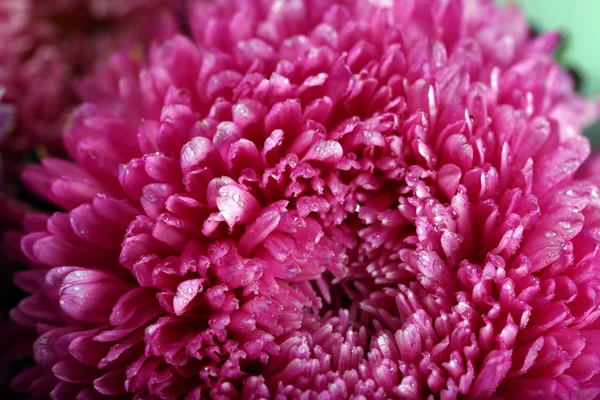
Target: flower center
{"x":373,"y":237}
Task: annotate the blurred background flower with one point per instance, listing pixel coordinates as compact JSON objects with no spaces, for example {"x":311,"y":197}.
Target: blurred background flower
{"x":46,"y":47}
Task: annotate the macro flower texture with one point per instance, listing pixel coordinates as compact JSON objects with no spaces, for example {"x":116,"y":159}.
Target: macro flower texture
{"x":304,"y":199}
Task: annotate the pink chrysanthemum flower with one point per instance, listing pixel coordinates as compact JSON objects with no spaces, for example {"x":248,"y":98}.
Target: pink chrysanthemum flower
{"x":47,"y":44}
{"x":321,"y":200}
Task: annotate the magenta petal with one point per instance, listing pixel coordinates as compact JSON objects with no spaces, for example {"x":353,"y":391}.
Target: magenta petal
{"x":73,"y":371}
{"x":133,"y":178}
{"x":70,"y":194}
{"x":24,"y":380}
{"x":494,"y":369}
{"x":325,"y":150}
{"x":92,"y":155}
{"x":237,"y":206}
{"x":28,"y":281}
{"x":88,"y":351}
{"x":88,"y":225}
{"x":264,"y":224}
{"x":36,"y":306}
{"x":111,"y":383}
{"x":584,"y":367}
{"x":186,"y":292}
{"x":154,"y":197}
{"x":38,"y":182}
{"x":54,"y":280}
{"x":449,"y":178}
{"x":160,"y":167}
{"x":57,"y":252}
{"x":89,"y":295}
{"x":198,"y":153}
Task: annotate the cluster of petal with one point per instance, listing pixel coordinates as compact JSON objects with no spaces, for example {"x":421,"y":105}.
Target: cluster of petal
{"x":362,"y":199}
{"x":46,"y":45}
